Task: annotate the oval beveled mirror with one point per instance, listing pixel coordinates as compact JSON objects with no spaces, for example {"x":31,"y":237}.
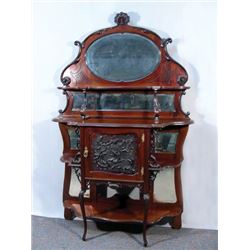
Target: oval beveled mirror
{"x":123,"y":57}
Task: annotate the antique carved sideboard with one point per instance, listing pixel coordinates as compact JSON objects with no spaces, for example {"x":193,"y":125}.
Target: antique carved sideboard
{"x":123,"y":129}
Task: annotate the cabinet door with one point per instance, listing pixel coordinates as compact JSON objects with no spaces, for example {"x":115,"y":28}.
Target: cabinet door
{"x":113,"y":153}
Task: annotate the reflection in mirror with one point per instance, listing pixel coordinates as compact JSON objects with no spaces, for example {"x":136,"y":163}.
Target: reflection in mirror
{"x":75,"y":186}
{"x":135,"y":194}
{"x":165,"y":142}
{"x":123,"y":101}
{"x":111,"y":192}
{"x":164,"y":186}
{"x":122,"y":57}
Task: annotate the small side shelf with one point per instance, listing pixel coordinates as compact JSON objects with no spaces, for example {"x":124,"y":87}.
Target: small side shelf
{"x":132,"y":213}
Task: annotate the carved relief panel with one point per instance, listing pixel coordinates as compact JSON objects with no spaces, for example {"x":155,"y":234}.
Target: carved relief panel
{"x":114,"y":153}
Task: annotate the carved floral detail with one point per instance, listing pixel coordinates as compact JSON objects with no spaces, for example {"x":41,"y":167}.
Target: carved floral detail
{"x":115,"y":153}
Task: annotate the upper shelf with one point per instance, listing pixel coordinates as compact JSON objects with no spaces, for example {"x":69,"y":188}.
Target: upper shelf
{"x":121,"y":122}
{"x":123,"y":56}
{"x":122,"y":88}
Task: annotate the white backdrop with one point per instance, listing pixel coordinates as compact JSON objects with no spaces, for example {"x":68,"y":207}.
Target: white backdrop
{"x":192,"y":26}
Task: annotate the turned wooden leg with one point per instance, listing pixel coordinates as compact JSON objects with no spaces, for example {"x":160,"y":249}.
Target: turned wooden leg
{"x":81,"y":198}
{"x":68,"y":214}
{"x":176,"y":223}
{"x":146,"y":200}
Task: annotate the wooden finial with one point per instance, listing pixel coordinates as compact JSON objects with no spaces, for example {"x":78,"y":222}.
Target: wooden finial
{"x":122,"y":18}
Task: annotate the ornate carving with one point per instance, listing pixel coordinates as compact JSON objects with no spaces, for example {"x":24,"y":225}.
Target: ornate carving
{"x":115,"y":153}
{"x":77,"y":74}
{"x":185,"y":113}
{"x":154,"y":166}
{"x":66,"y":80}
{"x":165,"y":42}
{"x":122,"y":18}
{"x":67,"y":104}
{"x":76,"y":166}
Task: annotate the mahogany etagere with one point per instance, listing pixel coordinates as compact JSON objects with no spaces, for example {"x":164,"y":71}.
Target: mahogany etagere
{"x":122,"y":125}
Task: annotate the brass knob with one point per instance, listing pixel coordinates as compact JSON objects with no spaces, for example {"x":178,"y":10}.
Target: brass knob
{"x":85,"y":152}
{"x":142,"y":170}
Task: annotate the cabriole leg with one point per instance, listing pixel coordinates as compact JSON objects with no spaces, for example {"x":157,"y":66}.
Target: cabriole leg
{"x":81,"y":198}
{"x":145,"y":200}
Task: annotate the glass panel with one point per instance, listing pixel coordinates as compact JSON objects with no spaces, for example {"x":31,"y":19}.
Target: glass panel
{"x":123,"y":101}
{"x":164,"y":186}
{"x":122,"y":57}
{"x":114,"y":153}
{"x":165,"y":142}
{"x":74,"y":136}
{"x":75,"y":186}
{"x":135,"y":194}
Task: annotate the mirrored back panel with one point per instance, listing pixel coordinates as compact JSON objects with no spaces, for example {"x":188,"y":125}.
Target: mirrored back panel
{"x":164,"y":186}
{"x":165,"y":142}
{"x":122,"y":101}
{"x":74,"y":137}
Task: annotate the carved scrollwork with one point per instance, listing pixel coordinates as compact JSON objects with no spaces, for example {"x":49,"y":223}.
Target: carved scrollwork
{"x":76,"y":166}
{"x":165,"y":42}
{"x":67,"y":97}
{"x":66,"y":80}
{"x":185,"y":113}
{"x":154,"y":166}
{"x":122,"y":18}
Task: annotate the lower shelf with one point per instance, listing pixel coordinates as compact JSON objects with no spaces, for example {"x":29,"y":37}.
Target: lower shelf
{"x":132,"y":213}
